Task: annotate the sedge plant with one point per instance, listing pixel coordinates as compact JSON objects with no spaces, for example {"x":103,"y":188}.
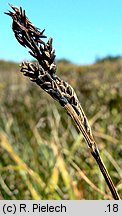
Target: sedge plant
{"x":43,"y":73}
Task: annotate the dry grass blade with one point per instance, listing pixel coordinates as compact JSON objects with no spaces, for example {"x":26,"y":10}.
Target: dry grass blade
{"x":43,"y":73}
{"x":21,"y":164}
{"x":82,"y":175}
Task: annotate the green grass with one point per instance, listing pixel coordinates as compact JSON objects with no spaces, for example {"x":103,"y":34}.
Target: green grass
{"x":42,"y":154}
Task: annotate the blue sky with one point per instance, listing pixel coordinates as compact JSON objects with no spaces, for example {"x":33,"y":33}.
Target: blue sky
{"x":82,"y":30}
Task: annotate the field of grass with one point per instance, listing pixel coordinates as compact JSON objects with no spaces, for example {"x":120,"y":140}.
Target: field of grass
{"x":42,"y":155}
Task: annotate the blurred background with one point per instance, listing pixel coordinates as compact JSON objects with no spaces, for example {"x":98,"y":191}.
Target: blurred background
{"x":42,"y":154}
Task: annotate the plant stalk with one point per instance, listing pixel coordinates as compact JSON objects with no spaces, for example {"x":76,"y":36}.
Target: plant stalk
{"x":94,"y":151}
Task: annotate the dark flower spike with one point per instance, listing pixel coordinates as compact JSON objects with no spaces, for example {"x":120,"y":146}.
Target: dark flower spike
{"x":30,"y":36}
{"x":43,"y":73}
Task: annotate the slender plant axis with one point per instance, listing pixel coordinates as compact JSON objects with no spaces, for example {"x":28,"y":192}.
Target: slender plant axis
{"x":43,"y":73}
